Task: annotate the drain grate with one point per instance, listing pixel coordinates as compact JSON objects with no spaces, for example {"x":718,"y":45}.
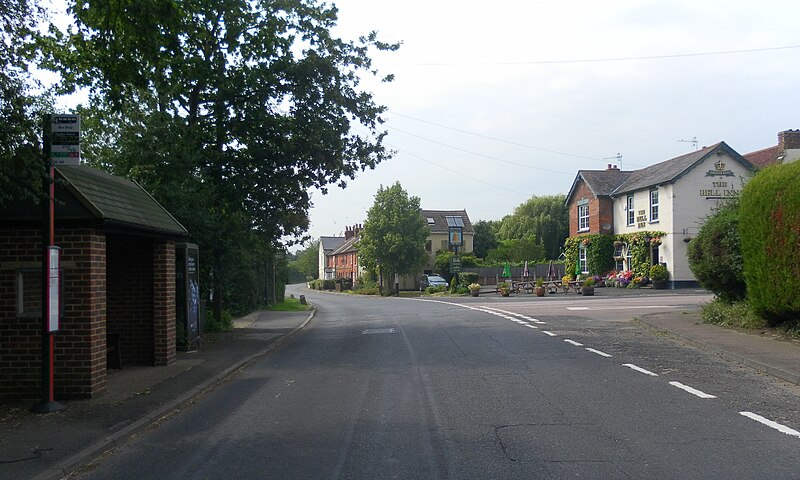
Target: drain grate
{"x":372,"y":331}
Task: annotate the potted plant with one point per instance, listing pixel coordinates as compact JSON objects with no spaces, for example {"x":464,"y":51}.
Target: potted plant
{"x":659,"y":276}
{"x":655,"y":241}
{"x":587,"y":287}
{"x":504,"y":289}
{"x":474,"y":289}
{"x":539,"y":290}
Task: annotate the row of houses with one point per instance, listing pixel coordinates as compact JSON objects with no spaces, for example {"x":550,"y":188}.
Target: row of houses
{"x":338,"y":256}
{"x":672,"y":197}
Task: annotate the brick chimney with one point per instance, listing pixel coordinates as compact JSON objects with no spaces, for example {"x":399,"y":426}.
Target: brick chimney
{"x":789,"y":140}
{"x":612,"y":167}
{"x":350,"y":232}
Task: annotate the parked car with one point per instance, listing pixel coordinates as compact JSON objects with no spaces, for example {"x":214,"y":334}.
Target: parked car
{"x":432,"y":281}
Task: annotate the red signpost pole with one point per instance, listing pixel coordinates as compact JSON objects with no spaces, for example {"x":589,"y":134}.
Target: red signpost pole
{"x":48,"y":404}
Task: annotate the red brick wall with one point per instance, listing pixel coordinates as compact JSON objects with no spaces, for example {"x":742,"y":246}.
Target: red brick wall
{"x":141,"y":296}
{"x":163,"y":260}
{"x":79,"y":360}
{"x":601,"y":212}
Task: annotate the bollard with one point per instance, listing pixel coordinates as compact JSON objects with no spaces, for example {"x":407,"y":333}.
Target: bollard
{"x":302,"y":299}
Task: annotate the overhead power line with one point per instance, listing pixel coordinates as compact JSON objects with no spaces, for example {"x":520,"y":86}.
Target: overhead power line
{"x":509,"y":142}
{"x":479,"y":154}
{"x":597,"y":60}
{"x":456,"y":172}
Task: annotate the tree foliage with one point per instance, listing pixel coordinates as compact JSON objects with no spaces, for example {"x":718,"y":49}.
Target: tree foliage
{"x":517,"y":250}
{"x":228,"y":112}
{"x":769,"y":226}
{"x":21,"y":164}
{"x":305,"y":265}
{"x":715,"y":255}
{"x":485,"y":237}
{"x":545,"y":220}
{"x":393,"y":239}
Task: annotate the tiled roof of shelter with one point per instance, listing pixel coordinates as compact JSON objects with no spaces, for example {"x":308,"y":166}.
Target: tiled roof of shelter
{"x":118,"y":201}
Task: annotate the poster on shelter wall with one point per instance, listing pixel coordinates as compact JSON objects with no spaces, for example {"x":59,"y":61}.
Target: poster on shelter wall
{"x":187,"y":294}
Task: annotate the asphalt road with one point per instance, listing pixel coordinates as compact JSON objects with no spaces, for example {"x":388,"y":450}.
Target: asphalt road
{"x":477,"y":389}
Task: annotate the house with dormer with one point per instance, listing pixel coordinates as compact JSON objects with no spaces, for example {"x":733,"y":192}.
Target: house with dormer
{"x":439,"y":223}
{"x":674,"y":197}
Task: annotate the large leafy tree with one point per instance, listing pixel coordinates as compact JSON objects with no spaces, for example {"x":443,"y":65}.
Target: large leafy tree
{"x":393,"y":239}
{"x":229,"y":112}
{"x":543,"y":220}
{"x":306,"y":262}
{"x":21,"y":164}
{"x":485,"y":238}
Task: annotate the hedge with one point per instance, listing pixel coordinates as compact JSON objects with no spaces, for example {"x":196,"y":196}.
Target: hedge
{"x":769,"y":228}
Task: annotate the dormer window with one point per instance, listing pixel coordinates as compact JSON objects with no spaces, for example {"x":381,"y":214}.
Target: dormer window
{"x":454,"y":221}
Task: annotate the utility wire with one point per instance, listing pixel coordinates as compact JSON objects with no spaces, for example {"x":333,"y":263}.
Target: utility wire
{"x":509,"y":142}
{"x":598,"y":60}
{"x":456,"y":172}
{"x":479,"y":154}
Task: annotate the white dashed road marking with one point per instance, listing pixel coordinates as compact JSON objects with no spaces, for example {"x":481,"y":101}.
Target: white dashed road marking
{"x":573,"y":342}
{"x":777,"y":426}
{"x":691,"y":390}
{"x":549,"y":333}
{"x":639,"y":369}
{"x":602,"y":354}
{"x":577,"y":308}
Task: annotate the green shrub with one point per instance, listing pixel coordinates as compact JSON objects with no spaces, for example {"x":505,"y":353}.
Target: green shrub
{"x":213,"y":325}
{"x":769,"y":225}
{"x":435,"y":289}
{"x":328,"y":284}
{"x":715,"y":255}
{"x":465,"y":278}
{"x":726,"y":314}
{"x":659,"y":273}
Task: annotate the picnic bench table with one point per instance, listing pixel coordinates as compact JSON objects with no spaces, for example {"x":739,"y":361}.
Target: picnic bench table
{"x":554,"y":286}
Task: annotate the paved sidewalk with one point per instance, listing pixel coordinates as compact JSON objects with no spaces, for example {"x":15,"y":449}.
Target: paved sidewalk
{"x":44,"y":447}
{"x":762,"y":351}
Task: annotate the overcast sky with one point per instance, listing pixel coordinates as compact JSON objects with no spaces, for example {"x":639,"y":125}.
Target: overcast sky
{"x":495,"y":102}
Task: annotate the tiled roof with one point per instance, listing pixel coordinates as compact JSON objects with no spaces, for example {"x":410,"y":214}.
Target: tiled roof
{"x":762,"y":158}
{"x":348,"y":245}
{"x":439,"y":224}
{"x":671,"y":170}
{"x":604,"y":182}
{"x":331,"y":243}
{"x":116,"y":200}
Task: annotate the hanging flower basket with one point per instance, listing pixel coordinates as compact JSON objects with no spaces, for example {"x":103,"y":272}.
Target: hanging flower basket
{"x":619,"y":258}
{"x":586,"y":241}
{"x":655,"y":241}
{"x":618,"y":243}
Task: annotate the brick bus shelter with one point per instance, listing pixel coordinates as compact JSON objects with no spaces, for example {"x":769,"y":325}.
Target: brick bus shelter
{"x":117,"y":291}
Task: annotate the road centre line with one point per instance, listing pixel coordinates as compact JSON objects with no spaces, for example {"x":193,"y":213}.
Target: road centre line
{"x":573,"y":342}
{"x":549,"y":333}
{"x":777,"y":426}
{"x":531,"y":326}
{"x":577,"y":308}
{"x":691,"y":390}
{"x":602,"y":354}
{"x":639,"y":369}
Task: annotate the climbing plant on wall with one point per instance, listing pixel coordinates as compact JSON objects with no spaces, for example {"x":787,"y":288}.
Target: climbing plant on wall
{"x":600,"y":251}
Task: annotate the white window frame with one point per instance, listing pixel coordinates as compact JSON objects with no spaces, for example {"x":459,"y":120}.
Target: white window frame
{"x":629,"y":206}
{"x":583,"y":217}
{"x":619,"y":265}
{"x":582,"y":259}
{"x":654,"y":206}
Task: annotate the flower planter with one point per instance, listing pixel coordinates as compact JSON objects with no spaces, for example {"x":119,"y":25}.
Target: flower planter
{"x":540,"y":291}
{"x":659,"y":284}
{"x":587,"y":291}
{"x":505,"y":292}
{"x":474,"y":293}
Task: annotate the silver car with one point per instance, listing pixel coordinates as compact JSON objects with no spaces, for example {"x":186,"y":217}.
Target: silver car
{"x":432,"y":281}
